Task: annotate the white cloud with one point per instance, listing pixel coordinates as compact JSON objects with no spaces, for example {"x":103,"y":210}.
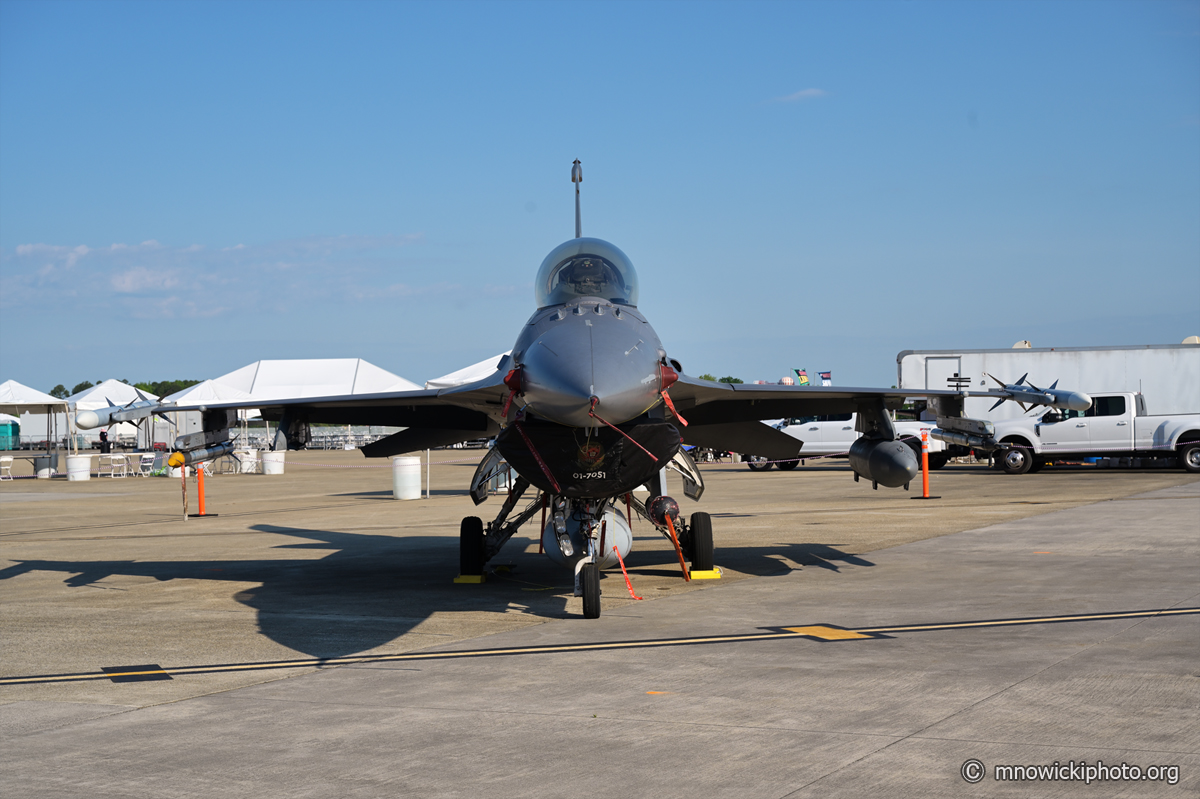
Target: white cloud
{"x":156,"y":280}
{"x":803,"y":94}
{"x":141,"y":279}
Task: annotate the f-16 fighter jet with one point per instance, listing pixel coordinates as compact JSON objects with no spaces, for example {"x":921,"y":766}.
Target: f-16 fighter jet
{"x":590,"y":406}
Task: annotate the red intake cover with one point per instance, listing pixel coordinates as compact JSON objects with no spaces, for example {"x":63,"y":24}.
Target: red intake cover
{"x":669,"y":376}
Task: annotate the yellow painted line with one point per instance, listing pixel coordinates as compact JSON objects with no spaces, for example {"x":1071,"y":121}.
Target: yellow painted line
{"x":822,"y":632}
{"x":1144,"y":614}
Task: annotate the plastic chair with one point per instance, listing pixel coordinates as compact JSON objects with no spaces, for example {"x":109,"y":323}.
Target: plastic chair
{"x":146,"y":465}
{"x":120,"y":466}
{"x":6,"y":463}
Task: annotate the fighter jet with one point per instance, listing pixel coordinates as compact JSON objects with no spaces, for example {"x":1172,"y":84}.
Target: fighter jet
{"x":589,"y":406}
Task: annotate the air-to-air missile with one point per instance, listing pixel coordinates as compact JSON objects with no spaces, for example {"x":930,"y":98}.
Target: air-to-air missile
{"x":132,"y":412}
{"x":1023,"y":392}
{"x":979,"y":434}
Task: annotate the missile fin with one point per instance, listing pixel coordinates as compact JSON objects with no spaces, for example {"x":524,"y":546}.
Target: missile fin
{"x":999,"y":402}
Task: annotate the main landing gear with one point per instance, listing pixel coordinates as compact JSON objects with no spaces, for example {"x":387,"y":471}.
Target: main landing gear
{"x":585,"y":535}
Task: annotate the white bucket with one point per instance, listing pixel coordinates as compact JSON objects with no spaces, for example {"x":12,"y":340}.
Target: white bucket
{"x":248,"y":461}
{"x":272,"y":462}
{"x":174,"y":471}
{"x":406,"y":477}
{"x":79,"y":467}
{"x":43,"y":467}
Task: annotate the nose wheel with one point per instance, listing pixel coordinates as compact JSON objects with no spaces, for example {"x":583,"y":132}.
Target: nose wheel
{"x":589,"y":584}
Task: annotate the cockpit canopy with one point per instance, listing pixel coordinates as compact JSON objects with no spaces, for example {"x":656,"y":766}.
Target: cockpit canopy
{"x":586,"y":268}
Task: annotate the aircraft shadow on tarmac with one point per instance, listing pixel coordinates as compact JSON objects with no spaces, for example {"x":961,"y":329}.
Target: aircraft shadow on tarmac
{"x":759,"y":561}
{"x":372,"y":589}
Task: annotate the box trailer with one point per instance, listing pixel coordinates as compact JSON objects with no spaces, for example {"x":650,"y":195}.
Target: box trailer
{"x":1167,"y":375}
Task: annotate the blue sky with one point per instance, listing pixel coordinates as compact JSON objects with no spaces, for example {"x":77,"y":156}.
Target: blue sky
{"x":189,"y":187}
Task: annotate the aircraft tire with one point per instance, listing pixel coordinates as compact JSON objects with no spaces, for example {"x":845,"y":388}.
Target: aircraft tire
{"x":757,"y":463}
{"x":589,"y":580}
{"x":1037,"y":465}
{"x":937,"y":461}
{"x":1189,"y":456}
{"x":787,"y":466}
{"x":1016,"y":458}
{"x":701,"y":542}
{"x":470,"y":546}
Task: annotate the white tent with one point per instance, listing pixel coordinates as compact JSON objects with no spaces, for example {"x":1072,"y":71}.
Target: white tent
{"x":468,"y":374}
{"x":206,"y":392}
{"x":110,"y":392}
{"x":185,"y":418}
{"x":316,"y":377}
{"x":17,"y":399}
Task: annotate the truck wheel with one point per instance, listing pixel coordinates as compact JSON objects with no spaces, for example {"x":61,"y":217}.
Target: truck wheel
{"x":757,"y":463}
{"x":1016,"y":459}
{"x":1189,"y":456}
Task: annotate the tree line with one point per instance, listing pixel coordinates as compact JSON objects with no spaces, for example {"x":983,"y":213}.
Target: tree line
{"x":160,"y":388}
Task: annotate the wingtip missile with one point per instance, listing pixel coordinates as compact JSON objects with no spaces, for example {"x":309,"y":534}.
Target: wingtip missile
{"x":134,"y":411}
{"x":1025,"y":394}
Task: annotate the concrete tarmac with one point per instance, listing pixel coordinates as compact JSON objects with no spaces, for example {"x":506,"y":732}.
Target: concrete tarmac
{"x":300,"y":569}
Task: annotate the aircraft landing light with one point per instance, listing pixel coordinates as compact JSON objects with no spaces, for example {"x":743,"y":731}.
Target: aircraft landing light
{"x":821,"y":632}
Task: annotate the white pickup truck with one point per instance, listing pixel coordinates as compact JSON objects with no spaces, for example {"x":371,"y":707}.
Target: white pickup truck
{"x":1116,"y":425}
{"x":831,"y":435}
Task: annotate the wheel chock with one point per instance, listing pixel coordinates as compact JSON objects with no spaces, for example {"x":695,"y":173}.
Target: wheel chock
{"x":471,"y":578}
{"x":714,"y":574}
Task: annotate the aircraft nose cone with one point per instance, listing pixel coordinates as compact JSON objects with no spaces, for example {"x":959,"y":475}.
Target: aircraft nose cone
{"x":558,"y":377}
{"x":582,"y":357}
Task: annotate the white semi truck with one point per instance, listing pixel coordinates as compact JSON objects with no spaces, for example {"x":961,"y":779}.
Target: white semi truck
{"x":1146,"y":401}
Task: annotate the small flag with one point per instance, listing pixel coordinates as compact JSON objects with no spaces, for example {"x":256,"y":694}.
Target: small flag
{"x":827,"y":378}
{"x":801,"y":377}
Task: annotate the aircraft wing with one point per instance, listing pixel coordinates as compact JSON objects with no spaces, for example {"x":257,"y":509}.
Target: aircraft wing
{"x":702,"y":402}
{"x":728,"y":415}
{"x":435,"y":417}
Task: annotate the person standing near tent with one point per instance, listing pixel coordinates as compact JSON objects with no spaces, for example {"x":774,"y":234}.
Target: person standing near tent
{"x":105,"y":447}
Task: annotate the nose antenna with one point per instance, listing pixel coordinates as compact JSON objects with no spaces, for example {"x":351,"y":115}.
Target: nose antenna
{"x":577,"y":178}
